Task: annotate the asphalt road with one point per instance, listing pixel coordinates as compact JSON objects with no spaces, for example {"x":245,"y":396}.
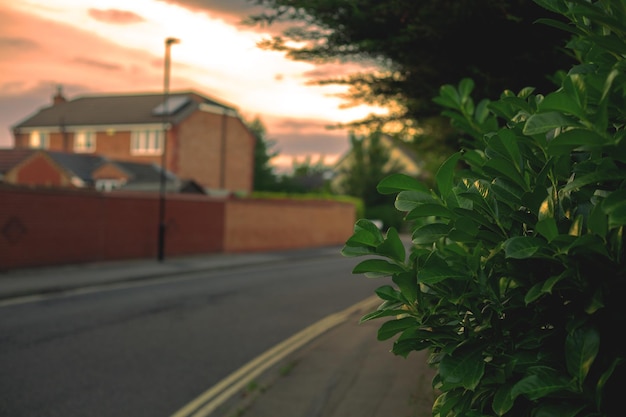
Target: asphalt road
{"x":149,"y":349}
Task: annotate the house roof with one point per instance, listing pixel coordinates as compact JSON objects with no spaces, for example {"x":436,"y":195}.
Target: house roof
{"x":82,"y":166}
{"x":11,"y":157}
{"x":143,"y":173}
{"x":120,"y":109}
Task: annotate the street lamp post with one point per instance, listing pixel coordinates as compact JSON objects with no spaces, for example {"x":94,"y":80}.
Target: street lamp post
{"x":166,"y":91}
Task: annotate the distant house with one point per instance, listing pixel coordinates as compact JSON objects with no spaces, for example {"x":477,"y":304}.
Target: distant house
{"x":400,"y":155}
{"x":40,"y":167}
{"x":206,"y":141}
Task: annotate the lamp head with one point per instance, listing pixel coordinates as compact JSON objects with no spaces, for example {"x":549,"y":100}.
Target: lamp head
{"x":171,"y":41}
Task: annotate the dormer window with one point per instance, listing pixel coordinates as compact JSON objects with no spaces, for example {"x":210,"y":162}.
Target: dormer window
{"x":84,"y":141}
{"x":39,"y":140}
{"x":147,"y":142}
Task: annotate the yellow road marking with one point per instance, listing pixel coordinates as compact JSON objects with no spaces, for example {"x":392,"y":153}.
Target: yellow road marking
{"x":211,"y":399}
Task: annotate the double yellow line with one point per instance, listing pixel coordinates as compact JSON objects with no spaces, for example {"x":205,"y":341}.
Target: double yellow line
{"x":211,"y":399}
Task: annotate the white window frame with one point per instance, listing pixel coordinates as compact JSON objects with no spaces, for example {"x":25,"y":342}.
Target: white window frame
{"x":39,"y":140}
{"x":107,"y":185}
{"x":84,"y":141}
{"x":146,"y":142}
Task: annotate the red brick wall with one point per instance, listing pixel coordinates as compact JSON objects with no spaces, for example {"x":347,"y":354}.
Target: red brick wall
{"x":239,"y":167}
{"x":56,"y":226}
{"x":40,"y":227}
{"x":257,"y":224}
{"x":200,"y":155}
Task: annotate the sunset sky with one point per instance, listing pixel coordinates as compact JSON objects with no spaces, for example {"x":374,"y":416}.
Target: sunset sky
{"x":117,"y":46}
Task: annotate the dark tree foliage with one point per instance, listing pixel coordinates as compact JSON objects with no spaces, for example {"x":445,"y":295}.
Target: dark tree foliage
{"x":264,"y":177}
{"x":310,"y":176}
{"x":417,"y":46}
{"x":370,"y":163}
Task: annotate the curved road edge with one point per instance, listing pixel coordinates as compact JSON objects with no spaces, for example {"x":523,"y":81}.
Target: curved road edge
{"x":214,"y":397}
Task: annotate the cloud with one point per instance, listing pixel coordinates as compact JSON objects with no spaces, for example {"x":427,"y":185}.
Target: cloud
{"x":232,"y":11}
{"x":97,"y":64}
{"x":17,"y":43}
{"x":19,"y":100}
{"x":114,"y":16}
{"x":92,"y":57}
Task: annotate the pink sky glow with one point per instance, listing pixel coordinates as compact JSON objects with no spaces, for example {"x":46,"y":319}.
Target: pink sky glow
{"x":117,"y":46}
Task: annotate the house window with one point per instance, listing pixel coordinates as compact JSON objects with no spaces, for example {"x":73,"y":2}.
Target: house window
{"x":147,"y":142}
{"x":84,"y":141}
{"x":39,"y":140}
{"x":108,"y":184}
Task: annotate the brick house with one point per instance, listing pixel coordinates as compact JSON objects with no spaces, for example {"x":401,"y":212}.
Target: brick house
{"x":206,"y":141}
{"x":42,"y":167}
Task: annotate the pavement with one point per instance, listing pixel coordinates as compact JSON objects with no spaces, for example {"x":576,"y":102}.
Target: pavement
{"x":341,"y":370}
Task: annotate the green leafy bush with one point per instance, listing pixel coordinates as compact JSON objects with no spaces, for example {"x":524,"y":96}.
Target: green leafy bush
{"x":515,"y":276}
{"x":388,"y":215}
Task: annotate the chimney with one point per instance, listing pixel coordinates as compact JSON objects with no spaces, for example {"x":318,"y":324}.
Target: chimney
{"x":58,"y":98}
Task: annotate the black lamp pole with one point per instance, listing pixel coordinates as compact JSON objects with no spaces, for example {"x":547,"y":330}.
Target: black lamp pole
{"x":166,"y":91}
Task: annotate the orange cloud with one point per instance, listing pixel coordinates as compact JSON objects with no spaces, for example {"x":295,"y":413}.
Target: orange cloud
{"x":114,"y":16}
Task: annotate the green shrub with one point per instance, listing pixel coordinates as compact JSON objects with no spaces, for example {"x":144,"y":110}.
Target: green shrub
{"x":357,"y":202}
{"x":387,"y":214}
{"x":515,"y":276}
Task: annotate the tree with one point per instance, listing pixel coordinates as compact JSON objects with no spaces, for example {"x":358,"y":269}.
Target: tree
{"x":409,"y":48}
{"x":310,"y":176}
{"x":516,"y":274}
{"x":369,"y":162}
{"x":264,"y":177}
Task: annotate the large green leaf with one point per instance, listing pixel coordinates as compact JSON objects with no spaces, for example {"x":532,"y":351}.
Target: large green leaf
{"x":448,"y":97}
{"x":465,"y":89}
{"x":593,"y":178}
{"x":478,"y":218}
{"x":542,"y":288}
{"x":502,"y":167}
{"x":388,"y":293}
{"x":507,"y":192}
{"x":545,"y":122}
{"x":506,"y":143}
{"x":463,"y":368}
{"x":598,"y":221}
{"x":535,"y":387}
{"x":353,"y":251}
{"x":614,"y":206}
{"x":407,"y":284}
{"x":581,"y":349}
{"x":572,"y":139}
{"x":429,"y":210}
{"x":445,"y":175}
{"x":392,"y":247}
{"x":400,"y":182}
{"x":376,"y":267}
{"x":522,"y":247}
{"x":562,"y":102}
{"x":430,"y":232}
{"x":547,"y":228}
{"x":409,"y":200}
{"x":403,"y":348}
{"x":502,"y":400}
{"x":365,"y":233}
{"x":391,"y":328}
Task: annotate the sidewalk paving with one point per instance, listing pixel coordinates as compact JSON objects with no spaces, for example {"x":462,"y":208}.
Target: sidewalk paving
{"x":343,"y":372}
